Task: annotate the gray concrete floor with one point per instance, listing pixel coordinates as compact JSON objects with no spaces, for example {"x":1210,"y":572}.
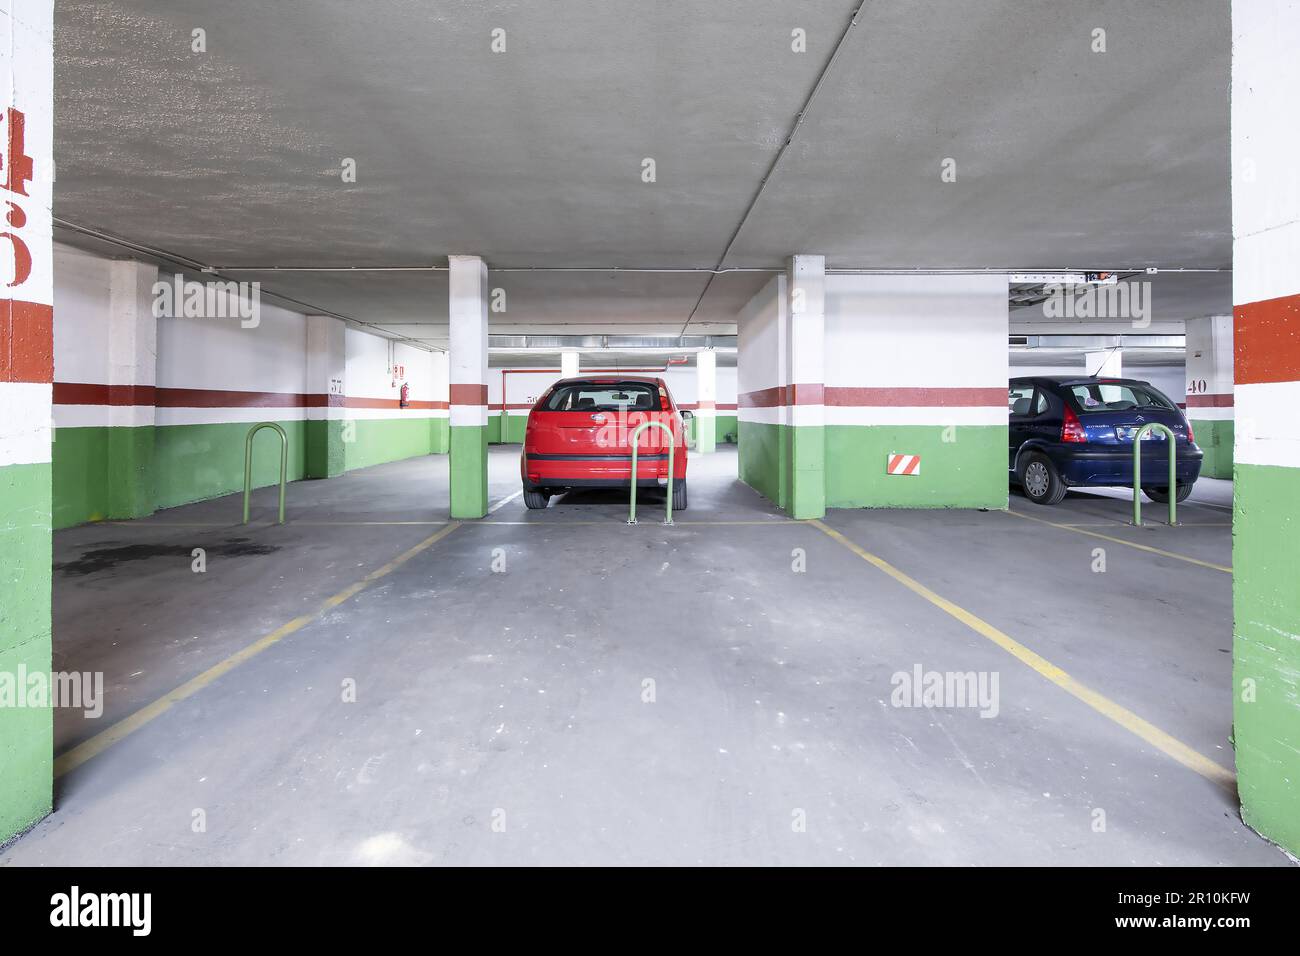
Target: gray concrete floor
{"x":517,"y":697}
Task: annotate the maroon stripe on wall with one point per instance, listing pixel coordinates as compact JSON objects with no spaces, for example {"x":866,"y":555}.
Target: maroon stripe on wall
{"x":358,"y":402}
{"x":915,"y":397}
{"x":469,"y":394}
{"x":78,"y":393}
{"x":778,"y":395}
{"x":1208,"y":401}
{"x":842,"y":397}
{"x":81,"y":393}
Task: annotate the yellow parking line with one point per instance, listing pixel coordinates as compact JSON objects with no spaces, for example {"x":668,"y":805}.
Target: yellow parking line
{"x":87,"y":750}
{"x":1171,"y":746}
{"x":1128,"y":544}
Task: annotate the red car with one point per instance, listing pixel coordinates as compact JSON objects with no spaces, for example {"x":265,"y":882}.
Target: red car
{"x":579,"y":436}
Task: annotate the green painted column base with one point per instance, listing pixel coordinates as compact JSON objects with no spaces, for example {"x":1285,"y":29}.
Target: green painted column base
{"x":807,"y":472}
{"x":1266,"y":649}
{"x":1215,"y":439}
{"x":26,"y":733}
{"x":468,"y":466}
{"x":706,"y":433}
{"x":326,"y":448}
{"x":130,"y":477}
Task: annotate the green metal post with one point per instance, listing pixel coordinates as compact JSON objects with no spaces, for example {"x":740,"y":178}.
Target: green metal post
{"x":1171,"y":441}
{"x":248,"y":464}
{"x":672,"y":441}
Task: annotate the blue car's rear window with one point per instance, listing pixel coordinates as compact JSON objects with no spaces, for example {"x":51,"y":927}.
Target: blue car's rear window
{"x":1116,"y":397}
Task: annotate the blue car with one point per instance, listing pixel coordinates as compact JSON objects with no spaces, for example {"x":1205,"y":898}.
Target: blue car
{"x":1077,"y":431}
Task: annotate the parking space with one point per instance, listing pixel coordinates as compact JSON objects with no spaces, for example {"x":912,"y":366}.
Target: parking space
{"x":559,"y":687}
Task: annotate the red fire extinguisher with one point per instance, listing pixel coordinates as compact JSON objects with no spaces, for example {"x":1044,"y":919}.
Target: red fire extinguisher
{"x":405,"y":400}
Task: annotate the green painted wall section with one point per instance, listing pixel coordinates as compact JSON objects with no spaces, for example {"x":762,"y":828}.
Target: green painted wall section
{"x":763,"y":460}
{"x":195,"y":462}
{"x":1266,"y":649}
{"x":326,"y":448}
{"x":967,"y":472}
{"x":130,"y":471}
{"x":514,"y":429}
{"x":809,"y":471}
{"x":26,"y":734}
{"x":378,"y":440}
{"x":111,"y":473}
{"x":727,"y":426}
{"x":705,"y":433}
{"x":468,"y":470}
{"x":970,"y":471}
{"x":80,"y":473}
{"x":1215,"y":439}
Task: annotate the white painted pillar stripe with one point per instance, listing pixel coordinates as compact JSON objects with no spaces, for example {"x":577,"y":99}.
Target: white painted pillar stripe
{"x":468,"y":311}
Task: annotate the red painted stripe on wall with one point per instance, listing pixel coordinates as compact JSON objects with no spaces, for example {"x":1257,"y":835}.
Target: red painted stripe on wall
{"x":844,"y":397}
{"x":1207,"y":401}
{"x":778,"y":395}
{"x":469,"y":394}
{"x":357,"y":402}
{"x":84,"y":393}
{"x":915,"y":397}
{"x":1266,"y":341}
{"x":26,"y":341}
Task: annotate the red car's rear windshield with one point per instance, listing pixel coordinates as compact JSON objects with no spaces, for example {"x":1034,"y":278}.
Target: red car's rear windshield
{"x":603,"y":397}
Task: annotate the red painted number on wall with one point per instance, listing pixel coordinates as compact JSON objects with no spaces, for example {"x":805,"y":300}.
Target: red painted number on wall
{"x":18,"y":170}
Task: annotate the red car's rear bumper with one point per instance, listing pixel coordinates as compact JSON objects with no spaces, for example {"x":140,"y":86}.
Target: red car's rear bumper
{"x":598,"y":471}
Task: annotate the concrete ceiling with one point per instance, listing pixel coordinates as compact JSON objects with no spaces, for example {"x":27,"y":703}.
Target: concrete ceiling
{"x":532,"y":157}
{"x":611,"y":358}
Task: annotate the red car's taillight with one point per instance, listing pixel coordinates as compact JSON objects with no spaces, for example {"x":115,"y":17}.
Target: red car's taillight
{"x":1071,"y":429}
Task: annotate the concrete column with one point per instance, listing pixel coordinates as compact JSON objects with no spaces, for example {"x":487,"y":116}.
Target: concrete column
{"x":1105,"y":364}
{"x":132,"y":376}
{"x":26,"y":373}
{"x":706,"y":393}
{"x":806,"y":358}
{"x":1266,"y":390}
{"x":328,"y":430}
{"x":468,"y":311}
{"x":569,"y":364}
{"x":1209,"y":391}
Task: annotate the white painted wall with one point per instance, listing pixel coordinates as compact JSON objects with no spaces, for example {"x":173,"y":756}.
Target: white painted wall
{"x":525,"y":386}
{"x":81,"y":305}
{"x":217,"y":354}
{"x":916,"y":331}
{"x":369,"y":368}
{"x":1167,"y":378}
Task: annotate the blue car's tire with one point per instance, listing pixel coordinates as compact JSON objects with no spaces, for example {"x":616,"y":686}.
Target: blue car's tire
{"x":1161,"y":495}
{"x":1039,"y":480}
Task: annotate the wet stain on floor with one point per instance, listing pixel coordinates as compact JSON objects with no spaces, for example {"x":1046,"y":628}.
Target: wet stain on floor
{"x":107,"y":558}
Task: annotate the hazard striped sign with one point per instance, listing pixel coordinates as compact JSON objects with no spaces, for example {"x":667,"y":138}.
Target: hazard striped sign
{"x":903,"y":464}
